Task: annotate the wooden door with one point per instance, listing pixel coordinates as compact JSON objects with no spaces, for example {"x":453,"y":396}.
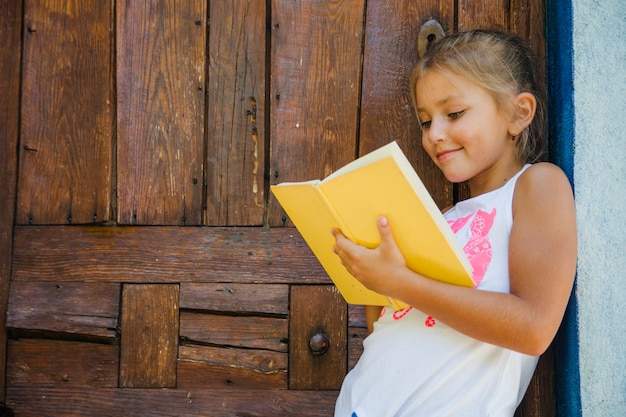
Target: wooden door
{"x":145,"y":268}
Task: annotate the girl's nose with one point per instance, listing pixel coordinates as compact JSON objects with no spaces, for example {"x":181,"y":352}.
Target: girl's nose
{"x":436,"y":131}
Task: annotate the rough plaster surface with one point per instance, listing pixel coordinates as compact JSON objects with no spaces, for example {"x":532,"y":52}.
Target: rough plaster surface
{"x":599,"y":40}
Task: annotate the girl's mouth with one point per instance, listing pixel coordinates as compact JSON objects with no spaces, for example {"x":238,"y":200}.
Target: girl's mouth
{"x":446,"y":154}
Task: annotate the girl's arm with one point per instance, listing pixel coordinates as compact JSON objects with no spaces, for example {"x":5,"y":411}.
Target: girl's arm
{"x":542,"y":264}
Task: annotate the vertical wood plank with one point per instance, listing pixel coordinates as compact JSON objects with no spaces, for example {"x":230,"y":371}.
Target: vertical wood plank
{"x":484,"y":15}
{"x":539,"y":400}
{"x":527,"y":17}
{"x":236,"y":113}
{"x":316,"y":76}
{"x":66,"y":113}
{"x":161,"y":83}
{"x":149,"y":335}
{"x":317,"y":311}
{"x":10,"y":57}
{"x":390,"y":53}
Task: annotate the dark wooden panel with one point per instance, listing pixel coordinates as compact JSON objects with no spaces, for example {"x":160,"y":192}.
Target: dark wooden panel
{"x":485,"y":15}
{"x":217,"y":367}
{"x":160,"y":120}
{"x":316,"y":76}
{"x":527,"y":21}
{"x":317,"y":310}
{"x":66,"y":113}
{"x":236,"y":113}
{"x":357,"y":332}
{"x":389,"y":55}
{"x":66,"y":307}
{"x":539,"y":400}
{"x":59,"y":402}
{"x":10,"y":58}
{"x":240,"y":298}
{"x":163,"y":254}
{"x":237,"y":331}
{"x":53,"y":363}
{"x":149,"y":336}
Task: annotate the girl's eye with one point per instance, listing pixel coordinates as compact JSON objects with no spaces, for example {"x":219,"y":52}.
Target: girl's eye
{"x":425,"y":125}
{"x":455,"y":115}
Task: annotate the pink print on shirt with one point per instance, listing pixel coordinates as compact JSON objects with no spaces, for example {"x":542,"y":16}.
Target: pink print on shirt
{"x":477,"y":249}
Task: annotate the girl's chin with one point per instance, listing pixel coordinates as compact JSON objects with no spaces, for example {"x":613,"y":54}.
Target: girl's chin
{"x":455,"y":176}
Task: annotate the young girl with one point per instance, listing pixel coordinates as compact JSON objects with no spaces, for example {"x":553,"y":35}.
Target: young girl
{"x":471,"y":351}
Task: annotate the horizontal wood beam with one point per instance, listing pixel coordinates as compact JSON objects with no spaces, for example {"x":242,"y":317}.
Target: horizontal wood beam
{"x":167,"y":254}
{"x":29,"y":401}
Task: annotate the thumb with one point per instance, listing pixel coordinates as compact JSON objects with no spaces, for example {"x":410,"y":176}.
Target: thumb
{"x":385,"y":230}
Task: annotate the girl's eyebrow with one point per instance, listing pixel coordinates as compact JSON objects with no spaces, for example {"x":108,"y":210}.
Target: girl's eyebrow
{"x":441,"y":102}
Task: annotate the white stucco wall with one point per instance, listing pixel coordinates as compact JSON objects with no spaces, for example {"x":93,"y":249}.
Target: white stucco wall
{"x":599,"y":42}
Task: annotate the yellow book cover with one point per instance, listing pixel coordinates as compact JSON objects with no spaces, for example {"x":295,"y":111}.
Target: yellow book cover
{"x":382,"y":182}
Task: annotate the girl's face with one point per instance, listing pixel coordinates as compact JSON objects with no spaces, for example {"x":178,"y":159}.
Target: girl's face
{"x":465,"y":132}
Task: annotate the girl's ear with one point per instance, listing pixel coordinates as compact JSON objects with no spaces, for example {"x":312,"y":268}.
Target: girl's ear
{"x":524,"y":107}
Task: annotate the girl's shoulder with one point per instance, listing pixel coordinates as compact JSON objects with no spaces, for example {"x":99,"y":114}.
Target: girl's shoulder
{"x":543,"y":171}
{"x":543,"y":184}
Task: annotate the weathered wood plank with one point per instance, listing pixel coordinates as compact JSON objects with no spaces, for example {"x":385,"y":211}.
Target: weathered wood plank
{"x":539,"y":400}
{"x":53,"y":363}
{"x":10,"y":58}
{"x":149,"y":336}
{"x":87,"y":309}
{"x":485,"y":15}
{"x":160,"y":95}
{"x":317,"y":311}
{"x":163,"y":254}
{"x":316,"y":72}
{"x":235,"y":331}
{"x":527,"y":21}
{"x":357,"y":332}
{"x":236,"y":113}
{"x":239,"y":298}
{"x":218,"y":368}
{"x":390,"y":52}
{"x":59,"y":402}
{"x":66,"y":113}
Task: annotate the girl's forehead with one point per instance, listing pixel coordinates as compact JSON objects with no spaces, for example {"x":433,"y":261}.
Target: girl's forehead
{"x":437,"y":80}
{"x":436,"y":85}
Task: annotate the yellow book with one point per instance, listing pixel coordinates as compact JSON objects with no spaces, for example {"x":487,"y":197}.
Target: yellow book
{"x":382,"y":182}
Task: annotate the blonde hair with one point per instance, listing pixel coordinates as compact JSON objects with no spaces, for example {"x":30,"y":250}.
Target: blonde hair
{"x":500,"y":63}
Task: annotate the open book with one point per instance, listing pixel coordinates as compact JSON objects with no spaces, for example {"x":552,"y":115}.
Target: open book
{"x":382,"y":182}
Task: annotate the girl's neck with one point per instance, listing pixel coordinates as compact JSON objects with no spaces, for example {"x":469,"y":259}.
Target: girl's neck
{"x":494,"y":177}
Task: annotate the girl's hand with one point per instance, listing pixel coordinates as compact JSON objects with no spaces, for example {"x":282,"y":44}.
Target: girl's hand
{"x":372,"y":267}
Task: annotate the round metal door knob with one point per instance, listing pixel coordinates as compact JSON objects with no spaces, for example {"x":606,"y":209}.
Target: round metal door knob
{"x":319,"y":344}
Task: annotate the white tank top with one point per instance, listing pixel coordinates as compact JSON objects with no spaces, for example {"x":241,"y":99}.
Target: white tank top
{"x":413,"y":365}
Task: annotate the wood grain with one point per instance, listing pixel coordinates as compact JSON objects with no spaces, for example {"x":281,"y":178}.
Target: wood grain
{"x":236,"y":113}
{"x":60,"y":402}
{"x":66,"y":151}
{"x":149,"y":336}
{"x":483,"y":15}
{"x":67,"y":364}
{"x":164,"y":255}
{"x":219,"y":368}
{"x":160,"y":52}
{"x":10,"y":58}
{"x":235,"y":331}
{"x":67,"y":308}
{"x":240,"y":298}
